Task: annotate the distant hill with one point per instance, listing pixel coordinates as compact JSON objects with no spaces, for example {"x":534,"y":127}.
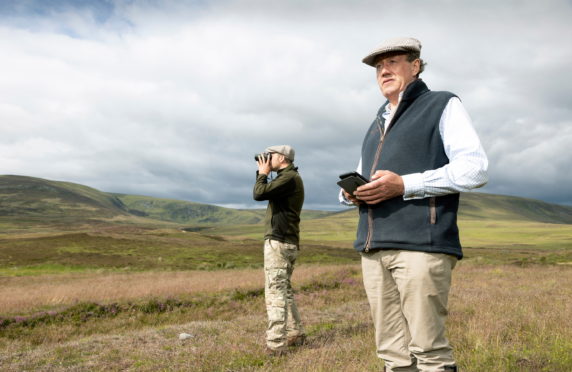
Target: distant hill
{"x":187,"y":212}
{"x":503,"y":207}
{"x":190,"y":212}
{"x":25,"y":197}
{"x":28,"y":197}
{"x":22,"y":196}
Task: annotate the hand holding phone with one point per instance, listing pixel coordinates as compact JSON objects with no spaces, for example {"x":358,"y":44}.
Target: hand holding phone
{"x":351,"y":181}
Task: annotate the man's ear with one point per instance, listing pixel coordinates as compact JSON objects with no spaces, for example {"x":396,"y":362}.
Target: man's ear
{"x":416,"y":66}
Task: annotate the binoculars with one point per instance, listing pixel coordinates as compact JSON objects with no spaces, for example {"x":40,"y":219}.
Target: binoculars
{"x":265,"y":156}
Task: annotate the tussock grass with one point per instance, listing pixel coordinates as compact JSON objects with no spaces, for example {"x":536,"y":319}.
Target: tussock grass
{"x":502,"y":318}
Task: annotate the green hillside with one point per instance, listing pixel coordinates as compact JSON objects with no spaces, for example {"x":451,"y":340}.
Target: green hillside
{"x":22,"y":197}
{"x":502,"y":207}
{"x":30,"y":199}
{"x":186,"y":212}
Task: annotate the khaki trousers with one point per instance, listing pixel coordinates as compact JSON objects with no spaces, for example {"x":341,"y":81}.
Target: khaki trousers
{"x":408,"y":293}
{"x":283,"y":317}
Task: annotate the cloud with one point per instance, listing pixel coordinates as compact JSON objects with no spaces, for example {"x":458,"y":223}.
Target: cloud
{"x":173,"y":98}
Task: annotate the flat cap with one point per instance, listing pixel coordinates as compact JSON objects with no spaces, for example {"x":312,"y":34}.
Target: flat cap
{"x":285,"y":150}
{"x":398,"y":44}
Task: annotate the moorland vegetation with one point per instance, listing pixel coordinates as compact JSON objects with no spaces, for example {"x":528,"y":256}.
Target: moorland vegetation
{"x":99,"y":281}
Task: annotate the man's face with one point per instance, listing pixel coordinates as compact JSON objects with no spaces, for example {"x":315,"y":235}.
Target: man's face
{"x":275,"y":161}
{"x":394,"y":73}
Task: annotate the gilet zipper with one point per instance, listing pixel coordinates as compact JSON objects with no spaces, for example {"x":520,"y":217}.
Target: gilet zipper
{"x":371,"y":173}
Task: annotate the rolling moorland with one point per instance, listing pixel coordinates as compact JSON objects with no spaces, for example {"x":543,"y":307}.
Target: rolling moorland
{"x":100,"y":281}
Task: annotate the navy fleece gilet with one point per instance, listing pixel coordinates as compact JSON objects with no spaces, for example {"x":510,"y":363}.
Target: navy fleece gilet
{"x":412,"y":144}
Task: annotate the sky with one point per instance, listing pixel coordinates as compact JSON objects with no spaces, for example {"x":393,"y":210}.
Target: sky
{"x":173,"y":98}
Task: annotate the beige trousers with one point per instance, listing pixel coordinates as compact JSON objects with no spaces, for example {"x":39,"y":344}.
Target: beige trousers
{"x":408,"y":293}
{"x":283,"y":317}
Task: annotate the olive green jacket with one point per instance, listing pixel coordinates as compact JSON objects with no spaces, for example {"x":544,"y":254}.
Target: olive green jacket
{"x":285,"y":195}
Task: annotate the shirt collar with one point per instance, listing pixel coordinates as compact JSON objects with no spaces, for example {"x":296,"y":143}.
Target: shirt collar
{"x":389,"y":108}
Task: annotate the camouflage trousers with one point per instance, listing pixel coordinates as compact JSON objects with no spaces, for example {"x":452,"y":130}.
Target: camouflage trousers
{"x":283,"y":317}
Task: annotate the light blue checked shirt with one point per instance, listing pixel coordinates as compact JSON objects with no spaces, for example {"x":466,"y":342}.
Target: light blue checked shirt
{"x":468,"y":163}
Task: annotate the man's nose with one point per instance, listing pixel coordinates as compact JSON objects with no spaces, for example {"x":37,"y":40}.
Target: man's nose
{"x":382,"y":70}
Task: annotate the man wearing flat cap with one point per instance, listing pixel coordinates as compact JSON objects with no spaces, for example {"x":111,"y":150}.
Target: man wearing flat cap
{"x":419,"y":153}
{"x":285,"y":195}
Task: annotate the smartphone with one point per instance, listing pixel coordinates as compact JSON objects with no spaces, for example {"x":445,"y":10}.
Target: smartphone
{"x":351,"y":181}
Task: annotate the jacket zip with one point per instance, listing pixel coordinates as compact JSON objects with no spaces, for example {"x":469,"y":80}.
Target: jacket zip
{"x":372,"y":171}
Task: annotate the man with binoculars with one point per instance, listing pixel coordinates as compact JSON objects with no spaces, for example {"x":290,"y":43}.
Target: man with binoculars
{"x":285,"y":195}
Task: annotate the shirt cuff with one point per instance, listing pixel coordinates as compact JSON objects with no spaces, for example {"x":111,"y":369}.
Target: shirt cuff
{"x":343,"y":200}
{"x":413,"y":185}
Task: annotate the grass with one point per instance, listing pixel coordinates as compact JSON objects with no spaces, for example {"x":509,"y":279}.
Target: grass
{"x":513,"y":318}
{"x":36,"y":293}
{"x":499,"y":320}
{"x":113,"y":293}
{"x":132,"y":248}
{"x":516,"y":242}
